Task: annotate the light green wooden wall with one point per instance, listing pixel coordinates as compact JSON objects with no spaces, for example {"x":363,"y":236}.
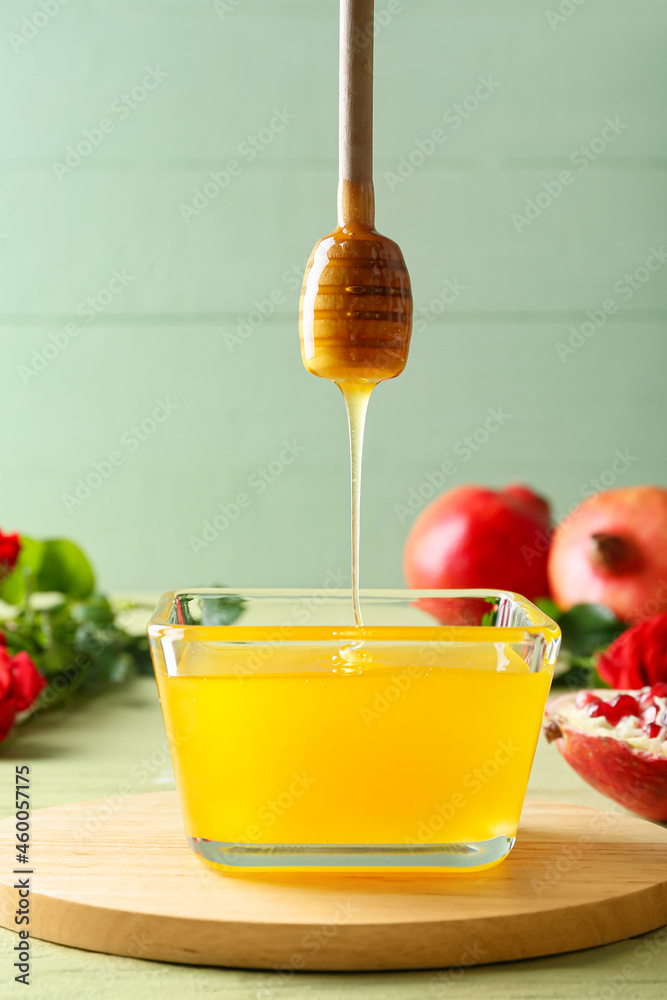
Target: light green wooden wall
{"x":169,"y":333}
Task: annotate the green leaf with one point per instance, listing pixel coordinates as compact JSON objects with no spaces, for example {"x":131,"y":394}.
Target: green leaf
{"x":20,"y":581}
{"x":547,"y":605}
{"x":78,"y":646}
{"x":580,"y":674}
{"x":95,"y":609}
{"x":222,"y":609}
{"x":118,"y":667}
{"x":587,"y":628}
{"x":140,"y":652}
{"x":490,"y":617}
{"x":66,"y":569}
{"x":214,"y":609}
{"x":55,"y":659}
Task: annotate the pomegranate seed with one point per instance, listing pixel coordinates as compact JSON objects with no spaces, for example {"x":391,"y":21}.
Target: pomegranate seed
{"x":584,"y":698}
{"x":645,"y":698}
{"x":651,"y":729}
{"x":625,"y":704}
{"x":615,"y":710}
{"x":597,"y":708}
{"x":649,"y":714}
{"x":659,"y":690}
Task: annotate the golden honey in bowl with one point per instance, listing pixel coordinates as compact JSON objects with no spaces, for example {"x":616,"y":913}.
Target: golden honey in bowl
{"x":289,"y":754}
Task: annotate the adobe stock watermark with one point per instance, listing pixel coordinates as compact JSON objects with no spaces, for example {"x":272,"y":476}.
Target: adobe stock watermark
{"x":573,"y":855}
{"x":246,"y":326}
{"x":618,"y":983}
{"x":382,"y":18}
{"x":399,"y":684}
{"x":455,"y":116}
{"x":88,"y":309}
{"x":268,"y":814}
{"x":262,"y":309}
{"x":472,"y":953}
{"x":310,"y":945}
{"x":449,"y":293}
{"x":34,"y":23}
{"x":141,"y":773}
{"x":300,"y":613}
{"x":131,"y":441}
{"x":653,"y":605}
{"x":67,"y":675}
{"x":224,"y":7}
{"x":106,"y":982}
{"x":464,"y":448}
{"x":121,"y":108}
{"x":581,"y":158}
{"x":620,"y":463}
{"x":258,"y":482}
{"x":247,"y":151}
{"x":563,"y":12}
{"x":625,"y":288}
{"x":474,"y":781}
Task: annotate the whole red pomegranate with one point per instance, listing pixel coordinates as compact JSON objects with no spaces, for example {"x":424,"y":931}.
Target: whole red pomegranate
{"x":476,"y":537}
{"x":612,"y":550}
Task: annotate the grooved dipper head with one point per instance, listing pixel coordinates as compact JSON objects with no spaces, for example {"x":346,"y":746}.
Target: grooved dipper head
{"x":355,"y":313}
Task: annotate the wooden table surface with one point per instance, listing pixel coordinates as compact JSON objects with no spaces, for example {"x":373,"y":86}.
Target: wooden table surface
{"x":91,"y":751}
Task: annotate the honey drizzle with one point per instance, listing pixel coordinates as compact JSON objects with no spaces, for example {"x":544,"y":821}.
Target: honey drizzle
{"x":356,"y":393}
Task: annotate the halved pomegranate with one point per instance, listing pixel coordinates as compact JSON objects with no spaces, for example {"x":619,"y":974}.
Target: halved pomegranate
{"x":617,"y":742}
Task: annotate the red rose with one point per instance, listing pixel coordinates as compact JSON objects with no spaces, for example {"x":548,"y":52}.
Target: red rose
{"x":7,"y":707}
{"x":10,"y":546}
{"x":20,"y":685}
{"x":28,"y":683}
{"x":638,"y":657}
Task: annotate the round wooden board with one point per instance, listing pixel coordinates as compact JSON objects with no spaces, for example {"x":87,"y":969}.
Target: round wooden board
{"x":117,"y":876}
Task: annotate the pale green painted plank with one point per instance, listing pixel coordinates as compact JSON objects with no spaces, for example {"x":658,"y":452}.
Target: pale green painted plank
{"x":120,"y":206}
{"x":236,"y":410}
{"x":63,"y":241}
{"x":557,"y":86}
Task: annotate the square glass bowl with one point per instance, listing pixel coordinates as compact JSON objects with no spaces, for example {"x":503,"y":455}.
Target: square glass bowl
{"x":301,"y":741}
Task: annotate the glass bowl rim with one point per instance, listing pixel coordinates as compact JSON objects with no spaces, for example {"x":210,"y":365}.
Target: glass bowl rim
{"x":161,"y":626}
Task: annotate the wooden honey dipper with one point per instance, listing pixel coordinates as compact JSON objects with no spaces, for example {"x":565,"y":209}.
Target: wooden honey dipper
{"x":355,"y":313}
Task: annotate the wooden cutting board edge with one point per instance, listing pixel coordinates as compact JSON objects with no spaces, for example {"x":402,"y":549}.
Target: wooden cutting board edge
{"x":368,"y":945}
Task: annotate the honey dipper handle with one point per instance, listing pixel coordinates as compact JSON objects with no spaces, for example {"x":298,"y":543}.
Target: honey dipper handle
{"x":356,"y":203}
